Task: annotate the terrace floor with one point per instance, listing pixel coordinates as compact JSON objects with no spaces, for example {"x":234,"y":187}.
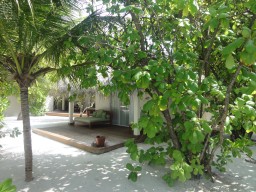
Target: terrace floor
{"x":61,"y":114}
{"x":82,"y":137}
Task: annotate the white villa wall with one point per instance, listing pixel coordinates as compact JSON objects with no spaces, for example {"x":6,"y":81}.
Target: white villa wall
{"x":121,"y":113}
{"x":49,"y":103}
{"x":102,"y":102}
{"x":145,"y":98}
{"x":132,"y":107}
{"x":207,"y":116}
{"x":137,"y":105}
{"x":14,"y":107}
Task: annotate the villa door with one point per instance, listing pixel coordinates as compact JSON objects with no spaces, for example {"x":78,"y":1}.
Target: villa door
{"x":120,"y":111}
{"x":124,"y":115}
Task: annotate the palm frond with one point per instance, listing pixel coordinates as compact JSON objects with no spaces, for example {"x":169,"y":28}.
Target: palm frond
{"x":56,"y":48}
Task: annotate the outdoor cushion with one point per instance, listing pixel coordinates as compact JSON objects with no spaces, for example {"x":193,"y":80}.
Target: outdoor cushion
{"x":94,"y":113}
{"x":89,"y":119}
{"x":98,"y":117}
{"x":103,"y":115}
{"x":99,"y":113}
{"x":107,"y":116}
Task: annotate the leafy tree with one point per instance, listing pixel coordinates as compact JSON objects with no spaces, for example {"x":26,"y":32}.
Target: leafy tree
{"x":6,"y":89}
{"x":190,"y":57}
{"x":3,"y":105}
{"x":37,"y":95}
{"x":34,"y":35}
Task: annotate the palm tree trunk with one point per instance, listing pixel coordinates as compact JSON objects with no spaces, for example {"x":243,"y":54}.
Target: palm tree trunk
{"x":26,"y":133}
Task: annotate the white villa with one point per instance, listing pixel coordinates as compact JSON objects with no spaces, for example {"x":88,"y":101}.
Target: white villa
{"x":122,"y":115}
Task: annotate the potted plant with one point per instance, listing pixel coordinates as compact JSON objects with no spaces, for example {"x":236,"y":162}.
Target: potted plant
{"x":100,"y":141}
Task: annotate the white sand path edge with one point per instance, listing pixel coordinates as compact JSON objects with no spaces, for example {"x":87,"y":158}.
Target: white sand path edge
{"x":58,"y":167}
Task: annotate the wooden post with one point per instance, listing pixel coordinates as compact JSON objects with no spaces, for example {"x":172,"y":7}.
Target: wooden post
{"x":71,"y":111}
{"x":63,"y":104}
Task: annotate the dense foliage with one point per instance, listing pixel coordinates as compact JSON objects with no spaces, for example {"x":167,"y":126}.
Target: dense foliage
{"x":6,"y":89}
{"x":196,"y":61}
{"x":37,"y":96}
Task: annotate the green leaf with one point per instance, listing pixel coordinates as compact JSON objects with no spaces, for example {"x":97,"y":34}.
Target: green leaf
{"x":193,"y":86}
{"x":247,"y":58}
{"x":203,"y":99}
{"x":246,"y":32}
{"x":6,"y":186}
{"x":213,"y":23}
{"x":192,"y":7}
{"x":185,"y":11}
{"x":225,"y":23}
{"x":182,"y":177}
{"x":250,"y":47}
{"x":230,"y":62}
{"x":128,"y":8}
{"x":129,"y":167}
{"x":235,"y":152}
{"x":189,"y":125}
{"x":206,"y":127}
{"x":151,"y":130}
{"x":134,"y":156}
{"x":187,"y":170}
{"x":149,"y":105}
{"x":133,"y":176}
{"x":138,"y":168}
{"x":251,"y":5}
{"x":132,"y":149}
{"x":142,"y":79}
{"x":193,"y":139}
{"x":251,"y":103}
{"x":143,"y":121}
{"x":106,"y":1}
{"x":177,"y":155}
{"x":233,"y":46}
{"x":162,"y":103}
{"x":240,"y":102}
{"x":142,"y":55}
{"x":144,"y":82}
{"x":168,"y":179}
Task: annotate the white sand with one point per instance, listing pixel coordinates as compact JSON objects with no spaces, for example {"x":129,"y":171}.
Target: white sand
{"x":58,"y":167}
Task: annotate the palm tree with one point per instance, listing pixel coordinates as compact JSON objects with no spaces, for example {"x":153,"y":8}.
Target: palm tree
{"x":32,"y":41}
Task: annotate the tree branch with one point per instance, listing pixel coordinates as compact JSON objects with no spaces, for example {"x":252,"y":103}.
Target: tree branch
{"x":8,"y":64}
{"x":208,"y":51}
{"x":138,"y":27}
{"x":83,"y":64}
{"x":224,"y":114}
{"x":42,"y":72}
{"x":168,"y":118}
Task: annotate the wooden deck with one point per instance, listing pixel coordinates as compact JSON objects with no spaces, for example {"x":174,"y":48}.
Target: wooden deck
{"x":82,"y":137}
{"x":62,"y":114}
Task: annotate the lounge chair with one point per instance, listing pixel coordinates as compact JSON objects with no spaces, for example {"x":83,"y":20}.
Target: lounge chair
{"x":98,"y":117}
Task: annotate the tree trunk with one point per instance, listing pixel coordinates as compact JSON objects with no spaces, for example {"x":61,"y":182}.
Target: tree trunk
{"x":173,"y":135}
{"x":222,"y":118}
{"x":26,"y":133}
